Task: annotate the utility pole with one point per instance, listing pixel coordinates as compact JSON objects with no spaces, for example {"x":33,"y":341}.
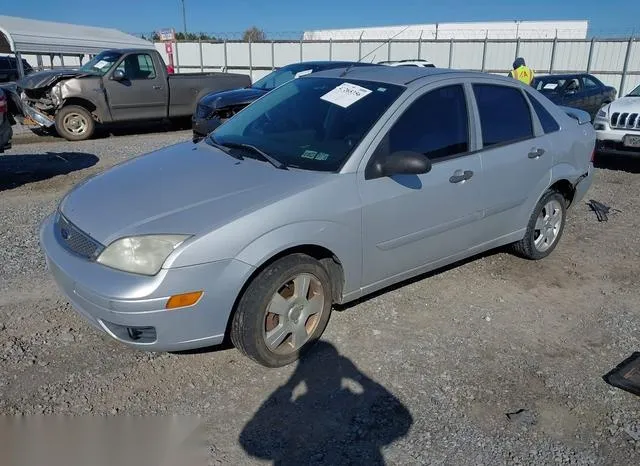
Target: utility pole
{"x":184,"y":18}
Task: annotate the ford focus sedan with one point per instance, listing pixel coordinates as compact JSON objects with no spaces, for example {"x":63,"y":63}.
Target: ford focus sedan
{"x":330,"y":187}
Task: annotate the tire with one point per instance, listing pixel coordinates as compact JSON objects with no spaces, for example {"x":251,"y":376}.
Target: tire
{"x":75,"y":123}
{"x":253,"y":325}
{"x":532,"y":246}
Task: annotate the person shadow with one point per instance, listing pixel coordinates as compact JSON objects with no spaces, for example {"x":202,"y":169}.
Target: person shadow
{"x":328,"y":412}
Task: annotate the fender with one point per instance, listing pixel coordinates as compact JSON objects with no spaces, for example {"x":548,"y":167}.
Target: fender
{"x":88,"y":93}
{"x":335,"y":237}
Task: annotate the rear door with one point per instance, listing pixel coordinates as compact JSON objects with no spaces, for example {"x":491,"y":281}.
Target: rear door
{"x":573,"y":94}
{"x":516,"y":157}
{"x":410,"y":221}
{"x":143,"y":94}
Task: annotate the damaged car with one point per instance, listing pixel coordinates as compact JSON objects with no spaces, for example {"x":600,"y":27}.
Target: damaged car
{"x":115,"y":86}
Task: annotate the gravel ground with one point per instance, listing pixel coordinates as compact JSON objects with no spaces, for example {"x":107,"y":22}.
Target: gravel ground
{"x":494,"y":361}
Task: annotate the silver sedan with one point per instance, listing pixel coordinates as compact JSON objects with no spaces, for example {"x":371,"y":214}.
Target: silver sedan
{"x":328,"y":188}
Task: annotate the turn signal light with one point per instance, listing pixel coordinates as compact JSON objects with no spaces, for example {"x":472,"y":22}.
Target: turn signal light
{"x":183,"y":300}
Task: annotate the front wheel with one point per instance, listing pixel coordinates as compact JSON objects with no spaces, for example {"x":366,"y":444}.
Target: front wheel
{"x":545,"y":227}
{"x":74,"y":123}
{"x":283,"y":311}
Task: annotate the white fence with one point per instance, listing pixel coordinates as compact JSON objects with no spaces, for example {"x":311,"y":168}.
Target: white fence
{"x":614,"y":61}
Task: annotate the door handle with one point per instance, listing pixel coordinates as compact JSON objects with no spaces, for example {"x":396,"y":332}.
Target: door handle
{"x":157,"y":87}
{"x":460,"y":176}
{"x":536,"y":153}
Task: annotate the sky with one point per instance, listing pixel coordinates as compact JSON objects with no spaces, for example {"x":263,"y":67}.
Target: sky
{"x":285,"y":16}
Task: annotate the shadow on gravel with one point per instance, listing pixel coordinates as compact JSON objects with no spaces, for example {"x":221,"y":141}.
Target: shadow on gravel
{"x":627,"y":163}
{"x":424,"y":276}
{"x":143,"y":127}
{"x":328,"y":412}
{"x":17,"y":170}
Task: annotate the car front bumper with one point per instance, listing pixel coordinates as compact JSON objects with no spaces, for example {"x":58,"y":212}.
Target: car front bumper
{"x":131,"y":308}
{"x":203,"y":126}
{"x":610,"y":140}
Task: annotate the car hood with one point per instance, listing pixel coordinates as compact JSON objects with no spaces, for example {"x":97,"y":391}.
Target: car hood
{"x":182,"y":189}
{"x":232,"y":97}
{"x":625,"y":104}
{"x":48,"y":78}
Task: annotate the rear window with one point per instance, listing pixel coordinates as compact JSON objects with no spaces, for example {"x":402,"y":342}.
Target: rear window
{"x":549,"y":124}
{"x":504,"y":114}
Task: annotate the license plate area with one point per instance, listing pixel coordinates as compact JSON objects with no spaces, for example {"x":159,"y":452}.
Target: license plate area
{"x":631,"y":140}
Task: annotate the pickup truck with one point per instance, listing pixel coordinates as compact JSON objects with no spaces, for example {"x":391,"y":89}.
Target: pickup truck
{"x":114,"y":86}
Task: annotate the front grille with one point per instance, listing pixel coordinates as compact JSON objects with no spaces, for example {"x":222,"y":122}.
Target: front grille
{"x":76,"y":240}
{"x":625,"y":121}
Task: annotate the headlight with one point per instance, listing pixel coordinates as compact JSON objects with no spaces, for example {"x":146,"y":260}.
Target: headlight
{"x":602,"y":113}
{"x":56,"y":95}
{"x":140,"y":254}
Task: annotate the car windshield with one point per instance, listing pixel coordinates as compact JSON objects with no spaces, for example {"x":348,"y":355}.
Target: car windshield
{"x":310,"y":123}
{"x":101,"y":63}
{"x":635,"y":92}
{"x":281,"y":76}
{"x":549,"y":85}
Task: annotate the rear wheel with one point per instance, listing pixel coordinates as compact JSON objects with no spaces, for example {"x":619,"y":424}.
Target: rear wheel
{"x":283,"y":311}
{"x":74,"y":123}
{"x":545,"y":227}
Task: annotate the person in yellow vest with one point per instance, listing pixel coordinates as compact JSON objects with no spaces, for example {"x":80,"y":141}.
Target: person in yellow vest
{"x":521,"y":71}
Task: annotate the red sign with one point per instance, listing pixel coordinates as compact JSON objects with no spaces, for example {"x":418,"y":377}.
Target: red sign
{"x":168,"y":46}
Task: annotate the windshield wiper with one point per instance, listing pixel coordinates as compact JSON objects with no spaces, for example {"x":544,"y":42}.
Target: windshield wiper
{"x":269,"y":158}
{"x":212,"y":141}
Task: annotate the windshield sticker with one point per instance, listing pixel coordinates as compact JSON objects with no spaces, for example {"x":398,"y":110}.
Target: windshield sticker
{"x":382,"y":89}
{"x":309,"y":154}
{"x":302,"y":73}
{"x":322,"y":156}
{"x":346,"y":94}
{"x":550,"y":86}
{"x":101,"y":64}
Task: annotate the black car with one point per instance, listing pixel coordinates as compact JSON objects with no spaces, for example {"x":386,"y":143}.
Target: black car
{"x":5,"y":122}
{"x":9,"y":69}
{"x":214,"y":108}
{"x":583,"y":91}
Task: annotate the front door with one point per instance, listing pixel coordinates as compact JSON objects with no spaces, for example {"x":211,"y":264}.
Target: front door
{"x":142,"y":94}
{"x":516,"y":164}
{"x":410,"y":221}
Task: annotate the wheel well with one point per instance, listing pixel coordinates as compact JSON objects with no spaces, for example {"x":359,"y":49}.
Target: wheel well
{"x":565,"y":188}
{"x":327,"y":258}
{"x":82,"y":103}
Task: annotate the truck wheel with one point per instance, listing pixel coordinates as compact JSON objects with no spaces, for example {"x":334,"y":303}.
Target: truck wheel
{"x":283,"y":311}
{"x":545,"y":227}
{"x":74,"y":123}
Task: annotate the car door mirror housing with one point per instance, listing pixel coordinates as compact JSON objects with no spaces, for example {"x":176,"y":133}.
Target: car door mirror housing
{"x":400,"y":163}
{"x":118,"y":75}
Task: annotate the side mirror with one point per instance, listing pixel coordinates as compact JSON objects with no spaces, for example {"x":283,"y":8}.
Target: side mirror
{"x":400,"y":163}
{"x":118,"y":75}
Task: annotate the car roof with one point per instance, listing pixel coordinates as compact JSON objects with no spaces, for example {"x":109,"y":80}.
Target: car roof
{"x":562,"y":76}
{"x":400,"y":75}
{"x":326,"y":63}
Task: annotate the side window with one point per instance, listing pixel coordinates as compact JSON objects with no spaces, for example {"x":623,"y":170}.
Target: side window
{"x":435,"y":125}
{"x":504,"y":114}
{"x":138,"y":66}
{"x":549,"y":124}
{"x":146,"y":66}
{"x":590,"y":83}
